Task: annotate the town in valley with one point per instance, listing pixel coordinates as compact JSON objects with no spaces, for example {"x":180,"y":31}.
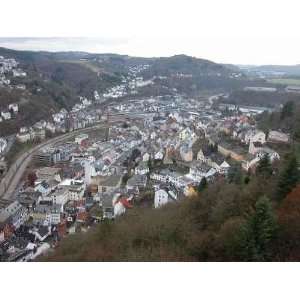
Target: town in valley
{"x":116,"y":149}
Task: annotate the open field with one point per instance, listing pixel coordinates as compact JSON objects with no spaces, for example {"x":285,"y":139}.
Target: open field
{"x":286,"y":81}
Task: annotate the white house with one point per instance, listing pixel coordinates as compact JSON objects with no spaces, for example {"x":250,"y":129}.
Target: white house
{"x":159,"y":155}
{"x":224,"y":167}
{"x":23,"y":137}
{"x":161,"y":198}
{"x":6,"y":115}
{"x":146,"y":156}
{"x":253,"y":136}
{"x":13,"y":107}
{"x":142,"y":168}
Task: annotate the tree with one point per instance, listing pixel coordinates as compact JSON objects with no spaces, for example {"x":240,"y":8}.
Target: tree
{"x":150,"y":164}
{"x":287,"y":110}
{"x":135,"y":154}
{"x":288,"y":178}
{"x":264,"y":167}
{"x":202,"y":185}
{"x":289,"y":221}
{"x":235,"y":174}
{"x":31,"y":177}
{"x":289,"y":214}
{"x":257,"y":233}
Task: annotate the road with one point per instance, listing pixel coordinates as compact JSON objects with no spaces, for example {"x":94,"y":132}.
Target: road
{"x":9,"y":183}
{"x":12,"y":178}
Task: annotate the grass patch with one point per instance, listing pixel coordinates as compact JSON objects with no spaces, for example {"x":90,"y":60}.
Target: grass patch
{"x":285,"y":81}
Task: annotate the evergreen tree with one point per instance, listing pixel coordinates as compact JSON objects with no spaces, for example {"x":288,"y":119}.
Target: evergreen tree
{"x":235,"y":175}
{"x":150,"y":164}
{"x":202,"y":185}
{"x":289,"y":177}
{"x":287,"y":110}
{"x":264,"y":167}
{"x":256,"y":234}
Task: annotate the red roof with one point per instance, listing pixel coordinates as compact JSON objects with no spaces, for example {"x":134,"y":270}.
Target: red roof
{"x":126,"y":203}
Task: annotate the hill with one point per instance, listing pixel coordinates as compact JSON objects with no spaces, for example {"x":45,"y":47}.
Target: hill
{"x":192,"y":75}
{"x":53,"y":82}
{"x":241,"y":220}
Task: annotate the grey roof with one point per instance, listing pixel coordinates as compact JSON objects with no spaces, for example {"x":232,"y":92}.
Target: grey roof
{"x":43,"y":231}
{"x":137,"y":180}
{"x":9,"y":211}
{"x":107,"y":200}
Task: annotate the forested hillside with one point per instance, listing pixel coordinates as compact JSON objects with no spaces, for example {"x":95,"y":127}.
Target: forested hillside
{"x":51,"y":84}
{"x":242,"y":218}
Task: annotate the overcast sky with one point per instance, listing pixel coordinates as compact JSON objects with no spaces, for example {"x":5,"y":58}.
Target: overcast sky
{"x":227,"y":31}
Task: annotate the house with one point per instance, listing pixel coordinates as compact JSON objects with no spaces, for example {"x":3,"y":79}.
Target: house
{"x":142,"y":168}
{"x":40,"y":134}
{"x":107,"y":183}
{"x":278,"y":137}
{"x":250,"y":162}
{"x":23,"y":137}
{"x":153,"y":135}
{"x":187,"y":135}
{"x":161,"y":197}
{"x":43,"y":188}
{"x":224,"y":167}
{"x":146,"y":156}
{"x":258,"y":150}
{"x":253,"y":136}
{"x":82,"y":216}
{"x":136,"y":183}
{"x":200,"y":170}
{"x":6,"y":115}
{"x":60,"y":196}
{"x":47,"y":214}
{"x":107,"y":205}
{"x":41,"y":233}
{"x":164,"y":195}
{"x":159,"y":155}
{"x":14,"y":214}
{"x":29,"y":197}
{"x":120,"y":205}
{"x":76,"y":188}
{"x":186,"y":152}
{"x":273,"y":155}
{"x":252,"y":159}
{"x":14,"y":107}
{"x":50,"y":127}
{"x":49,"y":173}
{"x":162,"y":177}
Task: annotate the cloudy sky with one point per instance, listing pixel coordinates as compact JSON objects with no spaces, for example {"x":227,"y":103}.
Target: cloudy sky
{"x":231,"y":31}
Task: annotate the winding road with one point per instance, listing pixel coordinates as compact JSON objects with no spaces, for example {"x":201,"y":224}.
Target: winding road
{"x":12,"y":178}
